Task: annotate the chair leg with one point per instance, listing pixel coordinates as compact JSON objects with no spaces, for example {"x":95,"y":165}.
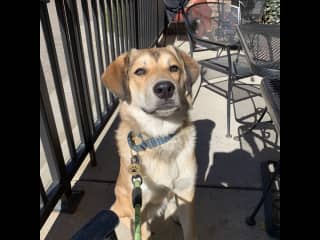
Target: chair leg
{"x":238,"y":55}
{"x":219,"y":51}
{"x":253,"y":126}
{"x":251,"y":219}
{"x":235,"y":63}
{"x":230,"y":79}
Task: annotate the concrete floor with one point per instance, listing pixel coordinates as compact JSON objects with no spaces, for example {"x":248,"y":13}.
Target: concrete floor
{"x":229,"y":180}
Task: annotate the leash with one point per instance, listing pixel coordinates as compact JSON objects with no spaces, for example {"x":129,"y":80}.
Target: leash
{"x":134,"y":169}
{"x":137,"y":203}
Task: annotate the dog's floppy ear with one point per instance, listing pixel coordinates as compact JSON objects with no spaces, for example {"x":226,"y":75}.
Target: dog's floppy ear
{"x":191,"y":66}
{"x":115,"y":77}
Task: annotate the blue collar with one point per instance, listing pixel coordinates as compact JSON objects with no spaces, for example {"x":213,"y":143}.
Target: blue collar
{"x":148,"y":143}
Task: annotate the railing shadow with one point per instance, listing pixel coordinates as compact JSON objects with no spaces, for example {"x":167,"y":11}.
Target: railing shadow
{"x":108,"y":158}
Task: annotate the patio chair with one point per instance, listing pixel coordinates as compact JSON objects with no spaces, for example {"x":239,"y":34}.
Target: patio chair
{"x":214,"y":24}
{"x":261,"y":44}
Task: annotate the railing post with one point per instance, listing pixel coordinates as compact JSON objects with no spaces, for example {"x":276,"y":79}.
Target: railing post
{"x":136,"y":13}
{"x":139,"y":33}
{"x":80,"y":73}
{"x":57,"y":79}
{"x":157,"y":22}
{"x":57,"y":167}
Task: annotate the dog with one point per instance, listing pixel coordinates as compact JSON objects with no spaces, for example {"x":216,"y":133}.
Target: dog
{"x":154,"y":88}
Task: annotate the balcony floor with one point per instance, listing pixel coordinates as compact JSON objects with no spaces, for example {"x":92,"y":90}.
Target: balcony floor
{"x":229,"y":180}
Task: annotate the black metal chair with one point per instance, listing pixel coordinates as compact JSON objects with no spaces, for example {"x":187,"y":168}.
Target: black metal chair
{"x":214,"y":24}
{"x":261,"y":43}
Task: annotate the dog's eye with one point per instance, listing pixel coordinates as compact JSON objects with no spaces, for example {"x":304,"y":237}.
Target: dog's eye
{"x":140,"y":71}
{"x":174,"y":68}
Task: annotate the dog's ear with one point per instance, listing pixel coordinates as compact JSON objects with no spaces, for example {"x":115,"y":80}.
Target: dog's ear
{"x":115,"y":77}
{"x":190,"y":65}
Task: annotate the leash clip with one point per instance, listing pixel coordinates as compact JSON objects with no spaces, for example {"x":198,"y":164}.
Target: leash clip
{"x":136,"y":180}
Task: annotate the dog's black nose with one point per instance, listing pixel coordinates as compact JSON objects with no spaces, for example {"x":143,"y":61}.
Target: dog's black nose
{"x":164,"y":89}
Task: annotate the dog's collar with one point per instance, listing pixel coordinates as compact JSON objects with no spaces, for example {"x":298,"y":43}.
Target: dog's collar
{"x":150,"y":142}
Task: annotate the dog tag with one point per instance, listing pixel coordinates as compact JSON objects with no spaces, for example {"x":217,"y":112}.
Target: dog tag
{"x":134,"y":169}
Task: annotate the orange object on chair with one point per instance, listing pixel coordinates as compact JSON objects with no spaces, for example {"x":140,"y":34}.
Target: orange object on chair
{"x":202,"y":12}
{"x":179,"y":18}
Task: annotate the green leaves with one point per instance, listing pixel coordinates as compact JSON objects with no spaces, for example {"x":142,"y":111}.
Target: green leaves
{"x":272,"y":12}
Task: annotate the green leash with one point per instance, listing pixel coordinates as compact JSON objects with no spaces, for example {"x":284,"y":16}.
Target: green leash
{"x":137,"y":202}
{"x":134,"y":169}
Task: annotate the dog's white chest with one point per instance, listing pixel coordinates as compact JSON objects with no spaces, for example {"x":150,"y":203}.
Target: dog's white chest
{"x":161,"y":173}
{"x":158,"y":188}
{"x":167,"y":174}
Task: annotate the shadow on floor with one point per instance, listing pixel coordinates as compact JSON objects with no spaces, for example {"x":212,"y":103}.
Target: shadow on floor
{"x":238,"y":169}
{"x":263,"y":136}
{"x":220,"y":213}
{"x":241,"y":167}
{"x":204,"y":130}
{"x":107,"y":159}
{"x":97,"y":196}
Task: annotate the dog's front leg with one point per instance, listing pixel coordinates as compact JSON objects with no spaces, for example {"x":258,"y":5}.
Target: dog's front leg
{"x":186,"y":214}
{"x":145,"y":232}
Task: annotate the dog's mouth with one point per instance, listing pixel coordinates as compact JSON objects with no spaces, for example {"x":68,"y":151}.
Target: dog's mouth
{"x":166,"y":111}
{"x":163,"y":110}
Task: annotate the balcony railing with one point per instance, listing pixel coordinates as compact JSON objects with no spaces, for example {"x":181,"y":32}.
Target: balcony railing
{"x":78,"y":39}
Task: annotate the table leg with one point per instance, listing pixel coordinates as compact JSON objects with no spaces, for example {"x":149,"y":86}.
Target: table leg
{"x":230,"y":79}
{"x":251,"y":219}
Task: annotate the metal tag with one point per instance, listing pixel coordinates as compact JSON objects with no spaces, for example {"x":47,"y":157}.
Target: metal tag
{"x":134,"y":169}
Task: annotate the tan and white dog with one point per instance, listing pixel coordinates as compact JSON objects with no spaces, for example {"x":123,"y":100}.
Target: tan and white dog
{"x":154,"y":86}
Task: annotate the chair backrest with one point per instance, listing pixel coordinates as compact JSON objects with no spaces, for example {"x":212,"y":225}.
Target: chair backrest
{"x":212,"y":21}
{"x":261,"y":43}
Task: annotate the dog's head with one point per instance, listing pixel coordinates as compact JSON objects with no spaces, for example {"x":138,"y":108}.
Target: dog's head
{"x":156,"y":80}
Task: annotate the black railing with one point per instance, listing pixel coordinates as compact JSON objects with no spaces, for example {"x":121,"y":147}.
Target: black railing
{"x":92,"y":34}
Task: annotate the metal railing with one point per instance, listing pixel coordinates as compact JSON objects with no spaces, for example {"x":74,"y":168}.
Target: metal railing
{"x":74,"y":106}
